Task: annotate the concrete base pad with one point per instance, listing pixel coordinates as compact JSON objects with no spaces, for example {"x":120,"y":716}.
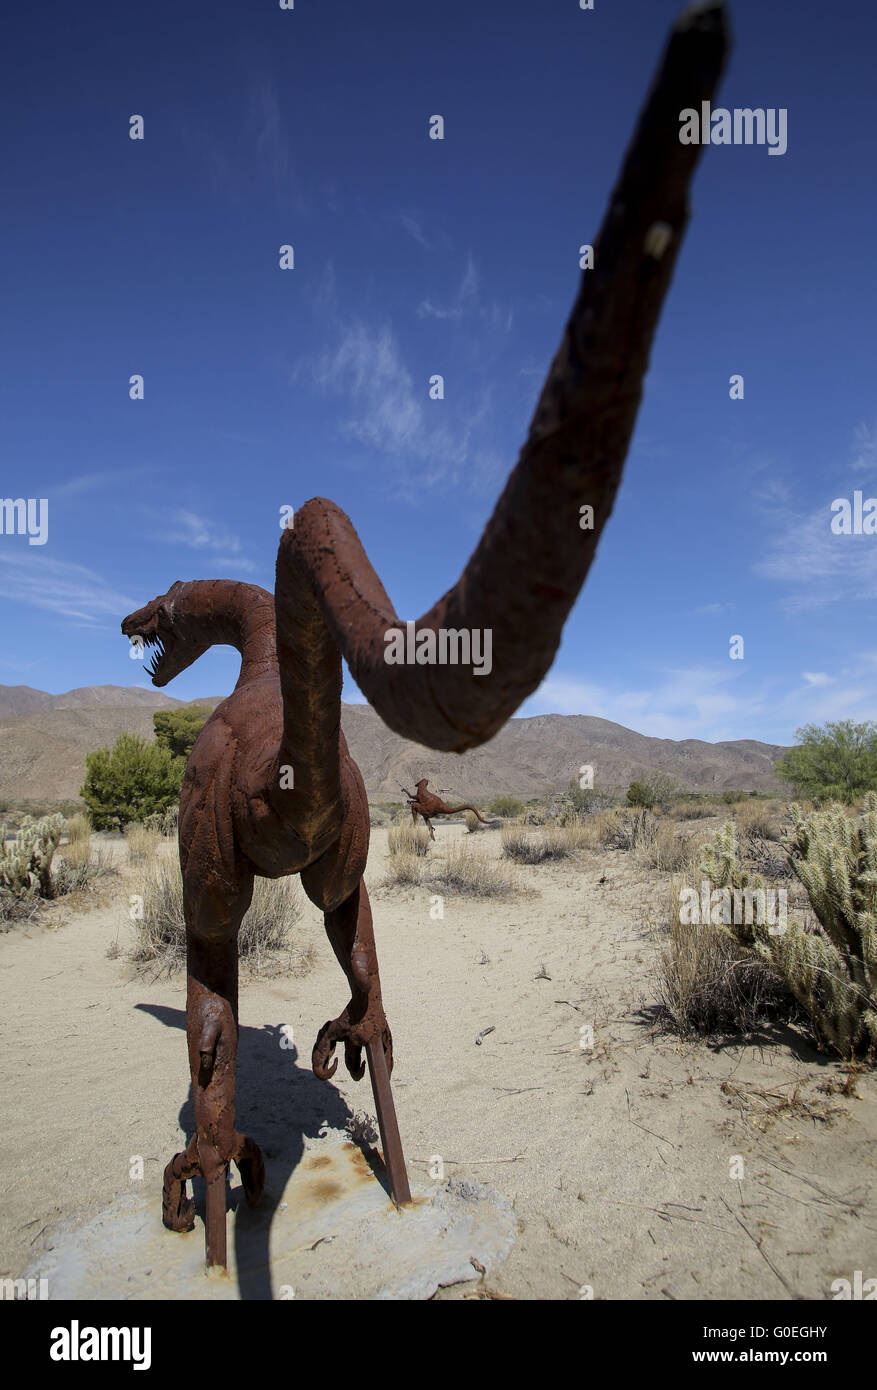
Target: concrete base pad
{"x":331,"y":1233}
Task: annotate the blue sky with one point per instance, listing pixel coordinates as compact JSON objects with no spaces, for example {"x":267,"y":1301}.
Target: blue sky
{"x":265,"y":387}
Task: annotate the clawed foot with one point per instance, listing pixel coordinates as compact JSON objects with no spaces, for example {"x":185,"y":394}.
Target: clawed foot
{"x":355,"y":1037}
{"x":178,"y":1209}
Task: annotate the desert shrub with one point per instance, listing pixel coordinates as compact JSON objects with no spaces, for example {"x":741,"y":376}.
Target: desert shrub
{"x":693,"y":810}
{"x":831,"y":967}
{"x":506,"y":806}
{"x":404,"y":870}
{"x":16,"y":909}
{"x":177,"y":729}
{"x":835,"y":762}
{"x":663,"y":847}
{"x":625,"y":828}
{"x":473,"y":824}
{"x":760,"y":818}
{"x":130,"y":782}
{"x":26,"y":861}
{"x":408,"y":839}
{"x":161,"y":932}
{"x":81,"y":874}
{"x":77,"y":849}
{"x":639,"y":793}
{"x":657,"y":789}
{"x":587,"y":801}
{"x":468,"y":870}
{"x":143,"y":842}
{"x":520,"y":844}
{"x":523,"y":845}
{"x":164,"y":822}
{"x":706,"y":983}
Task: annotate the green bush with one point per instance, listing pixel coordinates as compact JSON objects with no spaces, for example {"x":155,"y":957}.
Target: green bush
{"x":837,"y":762}
{"x":132,"y":781}
{"x":506,"y":806}
{"x":658,"y":789}
{"x":640,"y":794}
{"x":177,"y":729}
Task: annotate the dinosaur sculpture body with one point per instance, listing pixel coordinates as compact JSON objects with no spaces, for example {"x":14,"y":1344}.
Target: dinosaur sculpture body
{"x":426,"y":804}
{"x":270,"y":787}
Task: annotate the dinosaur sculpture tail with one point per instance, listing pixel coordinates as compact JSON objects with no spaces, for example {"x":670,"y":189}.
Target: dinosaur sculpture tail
{"x":452,"y":810}
{"x":327,"y":591}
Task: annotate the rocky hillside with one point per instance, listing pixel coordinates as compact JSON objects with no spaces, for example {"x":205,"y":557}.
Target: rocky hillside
{"x":44,"y":739}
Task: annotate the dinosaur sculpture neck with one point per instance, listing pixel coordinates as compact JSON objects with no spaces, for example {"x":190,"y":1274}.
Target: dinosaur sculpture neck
{"x":224,"y":613}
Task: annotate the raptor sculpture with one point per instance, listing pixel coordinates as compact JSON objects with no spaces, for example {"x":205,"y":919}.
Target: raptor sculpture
{"x":270,"y":787}
{"x":427,"y":804}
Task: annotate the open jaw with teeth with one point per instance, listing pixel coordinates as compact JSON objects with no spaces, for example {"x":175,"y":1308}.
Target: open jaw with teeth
{"x":160,"y":645}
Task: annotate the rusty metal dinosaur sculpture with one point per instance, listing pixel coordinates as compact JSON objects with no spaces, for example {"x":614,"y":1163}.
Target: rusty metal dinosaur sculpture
{"x":270,"y":787}
{"x":427,"y":804}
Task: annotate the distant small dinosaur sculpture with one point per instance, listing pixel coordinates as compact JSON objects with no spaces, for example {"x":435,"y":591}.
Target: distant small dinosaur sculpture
{"x":270,"y":787}
{"x":427,"y":805}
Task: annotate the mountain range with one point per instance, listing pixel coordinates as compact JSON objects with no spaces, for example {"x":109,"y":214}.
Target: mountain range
{"x":44,"y":739}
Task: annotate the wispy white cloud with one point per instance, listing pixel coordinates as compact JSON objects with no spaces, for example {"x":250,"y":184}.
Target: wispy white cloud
{"x":253,"y":145}
{"x":272,"y":146}
{"x":865,"y":449}
{"x":713,"y":609}
{"x":414,"y":227}
{"x":58,"y":586}
{"x":464,"y":299}
{"x":715,"y":703}
{"x":817,"y":566}
{"x":394,"y":416}
{"x":91,"y":482}
{"x":196,"y":532}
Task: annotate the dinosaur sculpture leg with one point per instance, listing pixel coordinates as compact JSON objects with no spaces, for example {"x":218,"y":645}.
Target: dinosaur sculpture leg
{"x":351,"y":935}
{"x":212,"y":1032}
{"x":363,"y":1024}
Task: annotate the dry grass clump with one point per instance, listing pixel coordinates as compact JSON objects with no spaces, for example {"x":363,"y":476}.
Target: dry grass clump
{"x":77,"y":848}
{"x":78,"y":864}
{"x":16,"y":909}
{"x":708,"y":984}
{"x":161,"y":931}
{"x":70,"y":877}
{"x":473,"y":824}
{"x":408,"y":839}
{"x":694,"y":810}
{"x":624,"y":828}
{"x":662,"y":846}
{"x":524,"y":845}
{"x":761,"y":818}
{"x":465,"y":869}
{"x":404,"y":870}
{"x":143,"y":842}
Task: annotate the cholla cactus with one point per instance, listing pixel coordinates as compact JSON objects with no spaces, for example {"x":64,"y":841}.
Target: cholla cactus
{"x":26,"y":864}
{"x":831,"y":971}
{"x":834,"y":972}
{"x":719,"y":862}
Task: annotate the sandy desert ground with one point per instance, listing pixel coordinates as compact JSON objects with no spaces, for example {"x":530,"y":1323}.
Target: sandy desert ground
{"x":617,"y":1158}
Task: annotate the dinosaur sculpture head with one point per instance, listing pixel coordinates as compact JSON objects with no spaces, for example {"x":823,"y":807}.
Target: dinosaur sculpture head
{"x":165,"y":626}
